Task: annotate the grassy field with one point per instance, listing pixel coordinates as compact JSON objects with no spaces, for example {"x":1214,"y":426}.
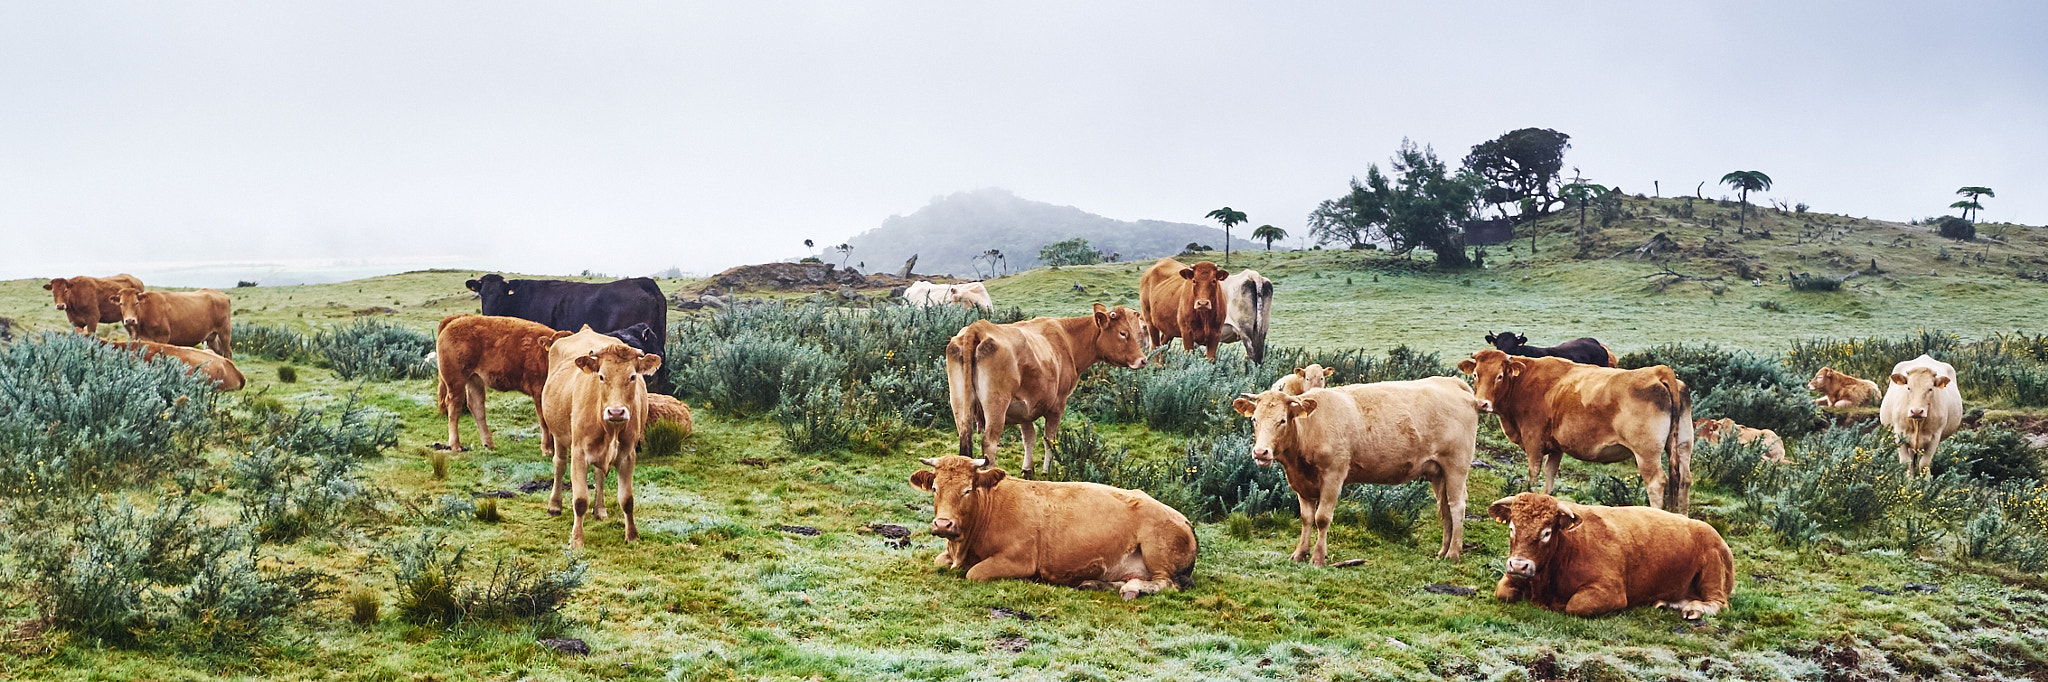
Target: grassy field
{"x":718,"y":589}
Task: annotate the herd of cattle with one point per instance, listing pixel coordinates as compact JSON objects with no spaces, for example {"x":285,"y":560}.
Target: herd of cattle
{"x":594,"y":393}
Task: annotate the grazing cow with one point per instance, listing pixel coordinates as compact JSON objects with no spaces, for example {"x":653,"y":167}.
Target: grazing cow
{"x":475,"y":352}
{"x":87,"y":302}
{"x":568,"y":306}
{"x":1841,"y":390}
{"x":1584,"y":350}
{"x":999,"y":374}
{"x":1085,"y":535}
{"x":1923,"y":406}
{"x":222,"y":370}
{"x":661,"y":408}
{"x":1303,"y":379}
{"x":1711,"y":431}
{"x":1553,"y":407}
{"x":1386,"y":433}
{"x":179,"y":318}
{"x":595,"y":406}
{"x":1248,"y":298}
{"x":1587,"y":559}
{"x":1184,"y":302}
{"x":924,"y":294}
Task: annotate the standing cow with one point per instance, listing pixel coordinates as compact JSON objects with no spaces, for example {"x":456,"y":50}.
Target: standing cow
{"x":1386,"y":433}
{"x":1248,"y":302}
{"x":998,"y":374}
{"x":179,"y":318}
{"x":1585,"y":349}
{"x":1587,"y":560}
{"x":1085,"y":535}
{"x":1184,"y":302}
{"x":88,"y":302}
{"x":595,"y":406}
{"x":1553,"y":407}
{"x":568,"y":306}
{"x":476,"y":352}
{"x":1923,"y":406}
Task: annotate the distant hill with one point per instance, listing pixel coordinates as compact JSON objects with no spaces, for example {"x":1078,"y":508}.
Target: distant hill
{"x":947,"y":234}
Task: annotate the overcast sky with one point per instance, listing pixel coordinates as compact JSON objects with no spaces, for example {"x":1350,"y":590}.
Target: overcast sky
{"x":630,"y":137}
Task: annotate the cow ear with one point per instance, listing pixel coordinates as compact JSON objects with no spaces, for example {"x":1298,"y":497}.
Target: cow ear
{"x":1899,"y":379}
{"x":1307,"y":406}
{"x":587,"y":363}
{"x":473,"y":285}
{"x":647,"y":364}
{"x":986,"y":480}
{"x":1244,"y":405}
{"x":1187,"y":273}
{"x":1490,"y":337}
{"x":1516,"y":366}
{"x":1467,"y":365}
{"x":46,"y":287}
{"x":922,"y":479}
{"x":1101,"y":316}
{"x":1329,"y":372}
{"x":1571,"y":519}
{"x":1941,"y":382}
{"x":1501,"y":509}
{"x":1222,"y":273}
{"x":1301,"y":372}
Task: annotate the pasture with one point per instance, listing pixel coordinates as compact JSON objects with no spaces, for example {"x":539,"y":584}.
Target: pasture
{"x":762,"y":560}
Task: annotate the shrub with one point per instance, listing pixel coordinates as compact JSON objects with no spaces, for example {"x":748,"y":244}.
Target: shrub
{"x":431,"y":589}
{"x":1994,"y":453}
{"x":1952,"y":227}
{"x":1728,"y":464}
{"x":425,"y":578}
{"x":1391,"y":511}
{"x":270,"y":343}
{"x":2008,"y":368}
{"x":288,"y":374}
{"x":1754,"y":391}
{"x":438,"y":460}
{"x":749,"y":374}
{"x":1074,"y":251}
{"x":75,"y":412}
{"x":376,"y":350}
{"x":816,"y":419}
{"x":1614,"y":491}
{"x":1193,"y":396}
{"x":487,"y":511}
{"x":301,"y":476}
{"x":1809,"y":282}
{"x":1215,"y":478}
{"x":362,"y":606}
{"x":663,"y":439}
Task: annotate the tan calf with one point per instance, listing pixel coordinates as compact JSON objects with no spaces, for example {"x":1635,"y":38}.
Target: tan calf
{"x":595,"y":405}
{"x":1711,"y":431}
{"x":475,"y":352}
{"x":1840,"y":390}
{"x":222,"y":370}
{"x":1303,"y":379}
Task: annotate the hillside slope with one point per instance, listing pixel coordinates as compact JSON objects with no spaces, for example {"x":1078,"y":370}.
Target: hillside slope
{"x":947,"y":234}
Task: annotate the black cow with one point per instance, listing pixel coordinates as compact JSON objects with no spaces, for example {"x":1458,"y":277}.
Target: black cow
{"x":1584,"y":350}
{"x":620,"y":306}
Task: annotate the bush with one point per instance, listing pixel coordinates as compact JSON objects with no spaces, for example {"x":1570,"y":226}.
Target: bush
{"x":1728,"y":464}
{"x":1993,"y":453}
{"x":431,"y":589}
{"x":301,"y":476}
{"x":816,"y":418}
{"x":1391,"y":511}
{"x":1074,"y":251}
{"x":75,"y":413}
{"x":288,"y":374}
{"x":1195,"y":396}
{"x":663,"y":439}
{"x":2003,"y":368}
{"x":376,"y":350}
{"x":1215,"y":479}
{"x":1614,"y":491}
{"x":1952,"y":227}
{"x":1809,"y":282}
{"x":749,"y":374}
{"x":270,"y":343}
{"x":1754,"y":391}
{"x":362,"y":606}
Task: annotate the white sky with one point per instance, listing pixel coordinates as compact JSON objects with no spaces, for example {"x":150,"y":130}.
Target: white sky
{"x":627,"y":137}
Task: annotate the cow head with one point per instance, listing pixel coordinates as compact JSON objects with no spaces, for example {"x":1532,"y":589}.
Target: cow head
{"x":1492,"y":371}
{"x":1314,"y":376}
{"x":1920,"y":383}
{"x":1206,"y":280}
{"x":1825,"y":379}
{"x":1121,"y":336}
{"x":1507,"y":341}
{"x":1707,"y":429}
{"x":1273,"y":414}
{"x":640,"y":336}
{"x":495,"y":292}
{"x":957,"y":485}
{"x":621,"y":373}
{"x":60,"y":289}
{"x":132,"y":302}
{"x":1536,"y":527}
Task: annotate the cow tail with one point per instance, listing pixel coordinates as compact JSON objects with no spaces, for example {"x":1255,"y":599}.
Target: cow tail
{"x":960,"y":375}
{"x":1678,"y":444}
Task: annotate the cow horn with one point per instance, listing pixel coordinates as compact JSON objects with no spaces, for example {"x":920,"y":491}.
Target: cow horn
{"x":930,"y":461}
{"x":1248,"y":396}
{"x":980,"y":462}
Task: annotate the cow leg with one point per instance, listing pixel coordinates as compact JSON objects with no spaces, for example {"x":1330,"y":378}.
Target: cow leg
{"x":1326,"y":509}
{"x":1597,"y":598}
{"x":1923,"y":465}
{"x":454,"y":411}
{"x":1450,"y":509}
{"x":475,"y":388}
{"x":1550,"y":462}
{"x":999,"y":567}
{"x":993,"y":434}
{"x":1308,"y":515}
{"x":579,"y":473}
{"x":1680,"y":476}
{"x":561,"y":468}
{"x":1051,"y":434}
{"x":1509,"y":589}
{"x":626,"y":496}
{"x":604,"y":471}
{"x":1535,"y":466}
{"x":547,"y":438}
{"x":1652,"y":472}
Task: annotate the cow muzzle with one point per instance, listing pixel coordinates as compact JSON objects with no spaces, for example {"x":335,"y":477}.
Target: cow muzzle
{"x":615,"y":414}
{"x":1262,"y":456}
{"x":945,"y":528}
{"x":1521,"y":568}
{"x":1204,"y":304}
{"x":1917,"y":413}
{"x":128,"y":320}
{"x":61,"y":306}
{"x":1486,"y":406}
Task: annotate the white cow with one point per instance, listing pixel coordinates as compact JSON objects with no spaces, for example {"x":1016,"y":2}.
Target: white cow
{"x":1923,"y":406}
{"x":1248,"y":310}
{"x":972,"y":294}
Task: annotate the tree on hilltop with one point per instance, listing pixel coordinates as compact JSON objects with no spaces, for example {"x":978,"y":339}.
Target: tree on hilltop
{"x":1746,"y":182}
{"x":1230,"y":217}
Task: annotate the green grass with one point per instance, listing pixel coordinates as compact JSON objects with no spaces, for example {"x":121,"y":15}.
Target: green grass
{"x":714,"y":591}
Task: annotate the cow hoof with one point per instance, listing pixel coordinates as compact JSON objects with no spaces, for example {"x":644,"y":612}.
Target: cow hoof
{"x":1130,"y":594}
{"x":554,"y":511}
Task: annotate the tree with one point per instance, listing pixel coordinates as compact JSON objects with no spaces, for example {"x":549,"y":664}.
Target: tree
{"x":1230,"y":218}
{"x":1582,"y":193}
{"x":1268,"y":234}
{"x":1969,"y":204}
{"x":1355,"y":218}
{"x":1521,"y":168}
{"x":993,"y":257}
{"x":1746,"y":182}
{"x":1074,"y":251}
{"x":845,"y":252}
{"x":1422,"y":204}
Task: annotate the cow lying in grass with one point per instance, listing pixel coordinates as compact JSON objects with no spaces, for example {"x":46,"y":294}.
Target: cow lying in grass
{"x":1587,"y":560}
{"x":1084,"y":535}
{"x":1583,"y":350}
{"x":1840,"y":390}
{"x":1712,"y":430}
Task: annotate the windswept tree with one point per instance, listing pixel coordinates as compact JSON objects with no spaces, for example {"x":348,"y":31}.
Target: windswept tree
{"x":1971,"y":207}
{"x":1230,"y":217}
{"x":1268,"y":234}
{"x":1746,"y":182}
{"x":1582,"y":193}
{"x":1074,"y":251}
{"x":845,"y":253}
{"x":1421,"y":204}
{"x":1521,"y":168}
{"x":1354,"y":219}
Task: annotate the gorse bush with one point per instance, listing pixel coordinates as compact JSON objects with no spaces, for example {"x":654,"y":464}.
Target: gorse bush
{"x":376,"y":350}
{"x":300,"y":475}
{"x":1392,"y":511}
{"x":747,"y":374}
{"x":1754,"y":391}
{"x":1991,"y":452}
{"x":432,"y":589}
{"x":816,"y":418}
{"x":1215,"y":478}
{"x":271,"y":343}
{"x":75,"y":411}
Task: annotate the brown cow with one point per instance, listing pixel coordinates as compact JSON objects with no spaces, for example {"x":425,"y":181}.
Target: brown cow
{"x":1553,"y":407}
{"x":1841,"y":390}
{"x":222,"y":370}
{"x":1184,"y":302}
{"x":1587,"y":560}
{"x":1303,"y":379}
{"x":661,"y":408}
{"x":595,"y":406}
{"x":475,"y":352}
{"x":187,"y":318}
{"x":1710,"y":430}
{"x":85,"y":301}
{"x":999,"y":374}
{"x":1085,"y":535}
{"x":1387,"y":433}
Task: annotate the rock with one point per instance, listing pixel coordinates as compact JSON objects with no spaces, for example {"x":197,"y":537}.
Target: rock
{"x":754,"y":461}
{"x":908,"y":266}
{"x":805,"y":531}
{"x":889,"y":530}
{"x":1347,"y":563}
{"x":567,"y":645}
{"x":1873,"y":589}
{"x":1454,"y":590}
{"x":1922,"y":587}
{"x":6,"y":329}
{"x":531,"y":487}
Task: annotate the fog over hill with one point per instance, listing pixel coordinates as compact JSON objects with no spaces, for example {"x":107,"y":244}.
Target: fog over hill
{"x":947,"y":234}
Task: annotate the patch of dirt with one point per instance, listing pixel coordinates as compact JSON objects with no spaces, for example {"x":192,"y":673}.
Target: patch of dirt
{"x":1544,"y":667}
{"x":805,"y":531}
{"x":754,"y":461}
{"x":568,"y":645}
{"x":889,"y":530}
{"x":373,"y":310}
{"x":1454,"y":590}
{"x":1011,"y":644}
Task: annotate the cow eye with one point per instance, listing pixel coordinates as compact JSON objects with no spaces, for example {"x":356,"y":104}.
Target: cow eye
{"x":1123,"y":335}
{"x":966,"y":492}
{"x":1546,"y":535}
